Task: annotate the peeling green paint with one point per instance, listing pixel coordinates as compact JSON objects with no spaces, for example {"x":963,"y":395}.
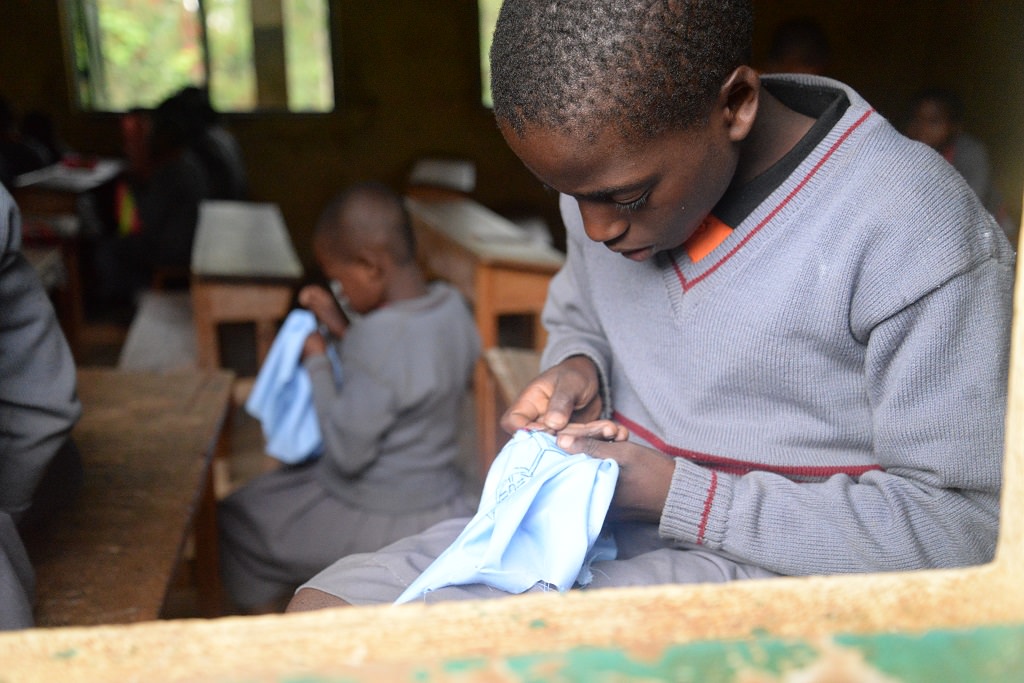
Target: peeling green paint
{"x":979,"y":655}
{"x":461,"y":666}
{"x":990,"y":653}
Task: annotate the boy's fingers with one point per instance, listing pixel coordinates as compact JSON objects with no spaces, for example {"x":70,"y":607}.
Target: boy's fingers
{"x":527,"y":409}
{"x":596,"y":447}
{"x":559,"y":410}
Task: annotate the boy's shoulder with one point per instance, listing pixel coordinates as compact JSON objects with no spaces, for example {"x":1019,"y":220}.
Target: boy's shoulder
{"x":442,"y":309}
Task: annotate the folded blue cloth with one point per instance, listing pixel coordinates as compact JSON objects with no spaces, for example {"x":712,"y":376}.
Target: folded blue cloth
{"x":539,"y":520}
{"x":282,"y":396}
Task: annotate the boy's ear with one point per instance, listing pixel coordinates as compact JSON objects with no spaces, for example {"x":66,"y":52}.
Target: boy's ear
{"x":376,"y":261}
{"x":738,"y":101}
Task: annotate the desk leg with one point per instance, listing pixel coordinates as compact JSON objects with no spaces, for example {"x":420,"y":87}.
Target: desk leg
{"x":489,"y":432}
{"x":207,"y":558}
{"x":72,"y":307}
{"x":207,"y":343}
{"x":483,"y":307}
{"x":540,"y":334}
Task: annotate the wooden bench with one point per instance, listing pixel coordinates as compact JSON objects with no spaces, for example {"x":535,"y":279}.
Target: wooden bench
{"x":147,"y":441}
{"x":162,"y":335}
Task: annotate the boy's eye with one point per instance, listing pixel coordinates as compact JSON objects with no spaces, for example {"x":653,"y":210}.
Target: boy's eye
{"x":634,"y":205}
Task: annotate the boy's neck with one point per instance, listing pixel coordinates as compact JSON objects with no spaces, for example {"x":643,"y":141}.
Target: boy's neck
{"x":776,"y":130}
{"x":406,"y":283}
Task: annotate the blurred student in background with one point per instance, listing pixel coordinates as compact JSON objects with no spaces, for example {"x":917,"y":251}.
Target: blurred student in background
{"x":936,"y":119}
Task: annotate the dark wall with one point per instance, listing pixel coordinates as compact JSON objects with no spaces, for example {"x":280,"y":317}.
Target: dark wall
{"x":888,"y":50}
{"x":408,"y":86}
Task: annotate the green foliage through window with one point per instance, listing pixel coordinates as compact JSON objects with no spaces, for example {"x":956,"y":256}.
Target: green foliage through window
{"x":251,"y":54}
{"x":488,"y":10}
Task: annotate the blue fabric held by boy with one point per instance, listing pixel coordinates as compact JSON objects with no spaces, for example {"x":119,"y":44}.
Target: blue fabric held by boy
{"x":539,"y":520}
{"x":282,"y":396}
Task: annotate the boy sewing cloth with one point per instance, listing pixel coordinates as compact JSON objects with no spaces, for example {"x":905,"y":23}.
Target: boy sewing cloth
{"x":390,"y":428}
{"x":801,"y":316}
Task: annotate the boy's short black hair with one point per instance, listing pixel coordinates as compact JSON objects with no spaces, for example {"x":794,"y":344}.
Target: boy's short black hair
{"x":643,"y":66}
{"x":393,"y":217}
{"x":944,"y":97}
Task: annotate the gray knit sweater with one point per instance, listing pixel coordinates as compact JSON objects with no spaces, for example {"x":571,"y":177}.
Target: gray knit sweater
{"x":391,"y":429}
{"x":832,"y":378}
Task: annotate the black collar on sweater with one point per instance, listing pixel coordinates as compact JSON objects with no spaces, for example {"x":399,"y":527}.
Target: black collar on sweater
{"x":825,"y":104}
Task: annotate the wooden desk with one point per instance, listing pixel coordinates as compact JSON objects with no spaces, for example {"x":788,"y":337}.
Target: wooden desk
{"x":244,"y":269}
{"x":55,"y":190}
{"x":493,"y":263}
{"x":506,"y":372}
{"x":61,"y":232}
{"x":147,"y":441}
{"x":50,"y":201}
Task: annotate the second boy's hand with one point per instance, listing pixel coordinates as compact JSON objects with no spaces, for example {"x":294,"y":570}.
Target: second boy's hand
{"x":567,"y":392}
{"x":331,"y":322}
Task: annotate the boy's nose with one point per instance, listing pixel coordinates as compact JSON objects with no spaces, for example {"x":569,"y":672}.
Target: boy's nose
{"x":603,"y":223}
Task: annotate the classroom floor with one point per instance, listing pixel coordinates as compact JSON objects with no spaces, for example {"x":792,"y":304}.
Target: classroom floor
{"x":247,"y":457}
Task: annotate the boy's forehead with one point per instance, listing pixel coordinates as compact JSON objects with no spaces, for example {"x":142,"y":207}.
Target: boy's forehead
{"x":596,"y":164}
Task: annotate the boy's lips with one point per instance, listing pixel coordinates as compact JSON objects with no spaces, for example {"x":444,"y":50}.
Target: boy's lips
{"x":641,"y":254}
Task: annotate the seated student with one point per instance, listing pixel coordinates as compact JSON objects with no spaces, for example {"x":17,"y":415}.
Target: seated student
{"x":166,"y":183}
{"x":390,"y":428}
{"x":38,"y":407}
{"x":801,"y":316}
{"x":213,"y":144}
{"x":936,"y":119}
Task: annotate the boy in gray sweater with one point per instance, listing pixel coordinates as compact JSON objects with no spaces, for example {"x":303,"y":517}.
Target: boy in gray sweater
{"x":390,"y":427}
{"x":801,"y":316}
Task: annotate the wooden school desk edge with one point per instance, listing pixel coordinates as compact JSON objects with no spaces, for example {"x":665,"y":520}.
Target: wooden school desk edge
{"x":938,"y":625}
{"x":97,"y":573}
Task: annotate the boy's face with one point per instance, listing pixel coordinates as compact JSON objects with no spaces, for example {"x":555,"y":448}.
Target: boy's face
{"x":638,"y":197}
{"x":358,"y":280}
{"x":931,"y":125}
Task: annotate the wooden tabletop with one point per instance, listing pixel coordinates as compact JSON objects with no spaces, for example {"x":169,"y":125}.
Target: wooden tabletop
{"x":491,"y":238}
{"x":247,"y":240}
{"x":61,"y":177}
{"x":146,"y":440}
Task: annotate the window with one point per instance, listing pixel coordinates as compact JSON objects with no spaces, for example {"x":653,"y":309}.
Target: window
{"x":488,"y":11}
{"x":250,"y":54}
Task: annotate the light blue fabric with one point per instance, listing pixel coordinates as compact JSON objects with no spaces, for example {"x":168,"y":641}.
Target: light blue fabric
{"x":539,"y":520}
{"x":282,"y":396}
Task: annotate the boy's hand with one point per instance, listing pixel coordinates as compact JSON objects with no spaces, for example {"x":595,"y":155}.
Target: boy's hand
{"x":567,"y":392}
{"x":645,"y":474}
{"x":601,"y":430}
{"x":314,"y":345}
{"x":322,"y":304}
